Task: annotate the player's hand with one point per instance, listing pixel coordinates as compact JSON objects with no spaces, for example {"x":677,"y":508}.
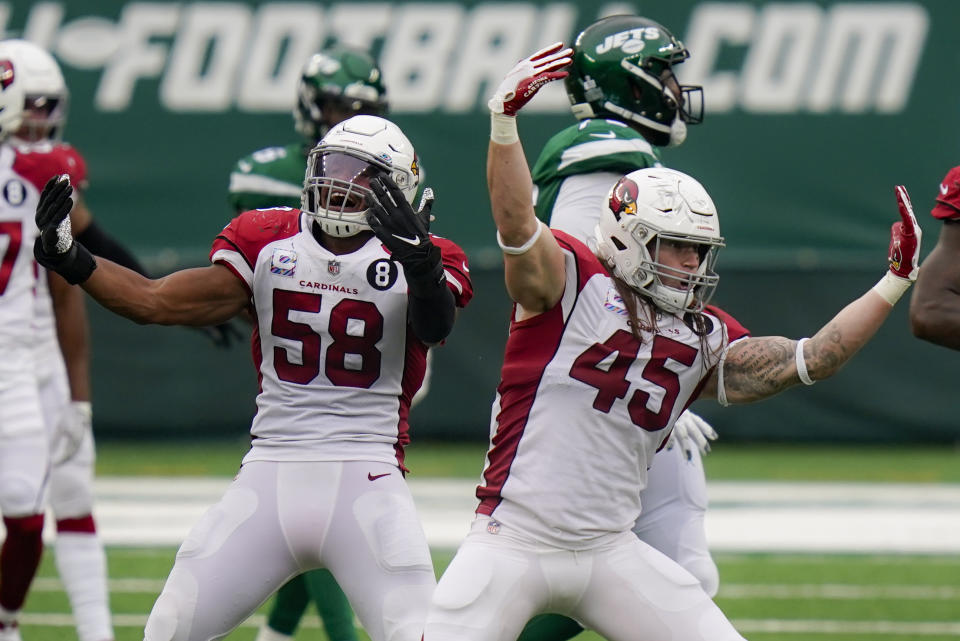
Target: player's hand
{"x":528,"y":76}
{"x":73,"y":430}
{"x":904,"y":253}
{"x":55,"y":247}
{"x":690,"y":433}
{"x":223,"y":336}
{"x":398,"y":227}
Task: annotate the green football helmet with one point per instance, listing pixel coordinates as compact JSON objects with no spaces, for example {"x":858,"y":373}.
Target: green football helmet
{"x":336,"y":84}
{"x":623,"y":69}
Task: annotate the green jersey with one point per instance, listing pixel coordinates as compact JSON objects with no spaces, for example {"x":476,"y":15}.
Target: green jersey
{"x":270,"y":177}
{"x":589,"y":147}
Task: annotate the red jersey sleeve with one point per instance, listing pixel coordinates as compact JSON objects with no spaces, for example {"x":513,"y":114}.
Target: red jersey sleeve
{"x":948,"y":198}
{"x":456,"y":269}
{"x":735,"y":330}
{"x":241,"y":241}
{"x":40,"y":162}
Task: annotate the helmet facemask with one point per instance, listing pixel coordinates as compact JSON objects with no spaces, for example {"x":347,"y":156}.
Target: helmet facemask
{"x":336,"y":190}
{"x":645,"y":215}
{"x":43,"y":117}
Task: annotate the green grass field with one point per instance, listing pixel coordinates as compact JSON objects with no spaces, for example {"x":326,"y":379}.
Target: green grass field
{"x":768,"y":597}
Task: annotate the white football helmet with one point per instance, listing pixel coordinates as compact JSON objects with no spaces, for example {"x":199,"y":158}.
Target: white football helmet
{"x":646,"y":209}
{"x":11,"y":91}
{"x":45,"y":92}
{"x":336,"y":188}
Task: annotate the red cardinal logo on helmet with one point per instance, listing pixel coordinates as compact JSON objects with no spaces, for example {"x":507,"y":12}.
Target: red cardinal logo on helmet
{"x":623,"y":199}
{"x":6,"y":74}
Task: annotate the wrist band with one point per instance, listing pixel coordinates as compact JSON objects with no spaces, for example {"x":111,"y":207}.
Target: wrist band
{"x":524,"y":248}
{"x":802,"y":364}
{"x":892,"y":287}
{"x":503,"y":129}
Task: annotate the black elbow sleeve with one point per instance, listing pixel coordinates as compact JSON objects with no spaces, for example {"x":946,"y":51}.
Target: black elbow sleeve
{"x":102,"y":244}
{"x":432,"y":308}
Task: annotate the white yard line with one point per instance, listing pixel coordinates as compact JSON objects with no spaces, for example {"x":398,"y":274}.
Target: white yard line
{"x":743,"y":517}
{"x":843,"y":591}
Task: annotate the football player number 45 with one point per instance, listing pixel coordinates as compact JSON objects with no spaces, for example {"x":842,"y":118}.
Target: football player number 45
{"x":11,"y":235}
{"x":352,"y":358}
{"x":612,"y":384}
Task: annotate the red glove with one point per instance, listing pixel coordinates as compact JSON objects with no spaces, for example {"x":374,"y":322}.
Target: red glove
{"x":905,"y":239}
{"x":948,"y":199}
{"x":525,"y":79}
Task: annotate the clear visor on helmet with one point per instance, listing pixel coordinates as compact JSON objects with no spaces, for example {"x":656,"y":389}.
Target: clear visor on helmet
{"x":43,"y":116}
{"x":338,"y":185}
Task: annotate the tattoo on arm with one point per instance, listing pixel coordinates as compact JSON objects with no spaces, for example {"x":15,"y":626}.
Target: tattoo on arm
{"x":759,"y":367}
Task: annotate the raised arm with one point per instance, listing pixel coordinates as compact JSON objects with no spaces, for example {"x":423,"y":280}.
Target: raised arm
{"x":757,"y":368}
{"x":200,"y":296}
{"x":533,"y":263}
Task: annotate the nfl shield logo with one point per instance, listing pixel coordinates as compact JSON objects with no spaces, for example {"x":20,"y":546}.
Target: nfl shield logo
{"x":333,"y":267}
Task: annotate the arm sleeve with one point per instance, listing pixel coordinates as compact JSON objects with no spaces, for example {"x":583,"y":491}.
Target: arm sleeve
{"x":102,"y":244}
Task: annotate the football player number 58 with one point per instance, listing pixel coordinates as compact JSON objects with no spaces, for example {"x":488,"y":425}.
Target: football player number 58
{"x":352,"y":359}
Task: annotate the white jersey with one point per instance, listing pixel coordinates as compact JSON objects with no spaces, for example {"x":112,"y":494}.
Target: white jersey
{"x":18,"y":271}
{"x":336,"y":360}
{"x":582,"y":407}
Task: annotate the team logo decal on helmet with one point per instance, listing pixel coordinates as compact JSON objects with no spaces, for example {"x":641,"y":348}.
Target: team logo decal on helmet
{"x":623,"y":198}
{"x":6,"y":73}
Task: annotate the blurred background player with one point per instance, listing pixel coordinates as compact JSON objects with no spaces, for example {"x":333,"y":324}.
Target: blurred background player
{"x":935,"y":304}
{"x":24,"y":448}
{"x":348,"y":294}
{"x":629,"y":105}
{"x":62,"y":347}
{"x":335,"y":84}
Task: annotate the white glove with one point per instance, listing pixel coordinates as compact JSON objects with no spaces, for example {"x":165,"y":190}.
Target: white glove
{"x":691,"y":432}
{"x":73,"y":429}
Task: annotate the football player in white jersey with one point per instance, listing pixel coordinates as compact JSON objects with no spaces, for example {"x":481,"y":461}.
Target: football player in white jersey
{"x":24,"y":452}
{"x":629,"y":105}
{"x":606,"y":348}
{"x":347,"y":294}
{"x":62,"y":350}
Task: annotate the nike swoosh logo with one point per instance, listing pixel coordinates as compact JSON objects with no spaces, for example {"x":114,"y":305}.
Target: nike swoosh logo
{"x":944,"y":189}
{"x":371,"y":477}
{"x":609,"y":134}
{"x":410,"y":241}
{"x":466,"y":269}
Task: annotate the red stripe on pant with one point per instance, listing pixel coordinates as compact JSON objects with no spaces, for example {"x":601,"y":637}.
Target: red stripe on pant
{"x":19,"y":558}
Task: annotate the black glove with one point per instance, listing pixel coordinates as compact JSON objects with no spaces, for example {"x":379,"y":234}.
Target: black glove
{"x":224,"y":335}
{"x":406,"y":233}
{"x":55,"y":247}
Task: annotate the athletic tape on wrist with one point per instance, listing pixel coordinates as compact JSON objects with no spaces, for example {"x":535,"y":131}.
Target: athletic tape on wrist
{"x":524,"y":248}
{"x":892,"y":287}
{"x":802,"y":364}
{"x":503,"y":129}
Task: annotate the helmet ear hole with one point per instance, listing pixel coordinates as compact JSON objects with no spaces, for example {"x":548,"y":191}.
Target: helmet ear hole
{"x":618,"y":243}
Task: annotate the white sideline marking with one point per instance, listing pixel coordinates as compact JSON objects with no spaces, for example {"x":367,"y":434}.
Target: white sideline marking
{"x":743,"y":516}
{"x":727,"y":590}
{"x":808,"y":626}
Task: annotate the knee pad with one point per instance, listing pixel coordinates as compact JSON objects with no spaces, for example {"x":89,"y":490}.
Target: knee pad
{"x":71,"y":492}
{"x":20,"y":494}
{"x":172,"y":613}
